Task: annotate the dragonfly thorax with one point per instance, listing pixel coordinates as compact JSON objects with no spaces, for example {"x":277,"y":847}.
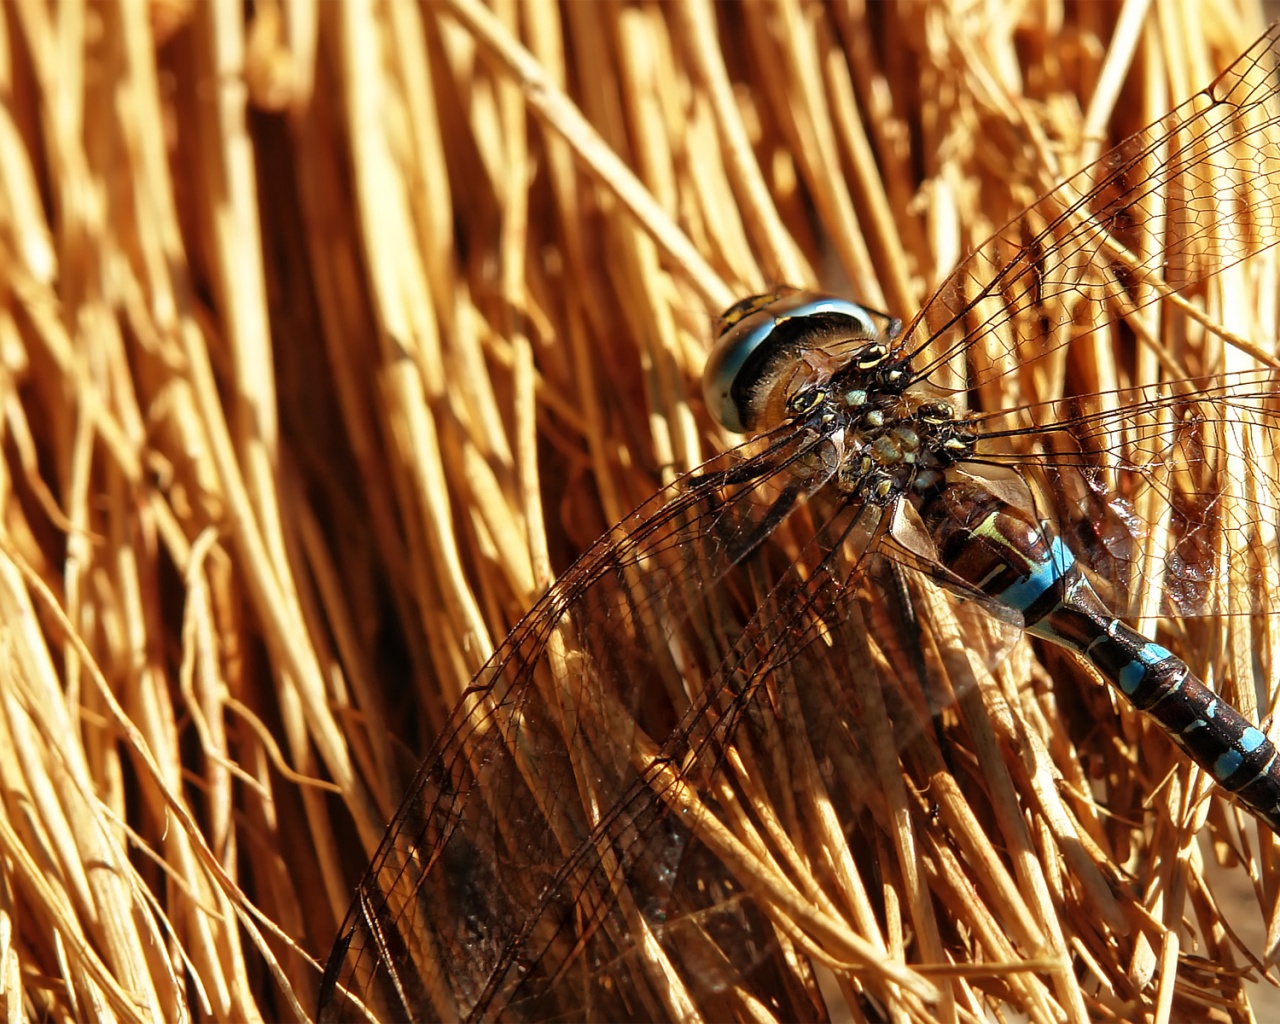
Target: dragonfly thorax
{"x":898,"y":445}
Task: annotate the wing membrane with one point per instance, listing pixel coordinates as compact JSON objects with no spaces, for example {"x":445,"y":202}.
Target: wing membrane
{"x":1191,"y":459}
{"x":1155,"y":218}
{"x":545,"y":750}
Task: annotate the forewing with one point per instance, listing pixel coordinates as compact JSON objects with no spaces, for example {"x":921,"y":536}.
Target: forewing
{"x":1152,"y":220}
{"x":686,"y":898}
{"x":531,"y":862}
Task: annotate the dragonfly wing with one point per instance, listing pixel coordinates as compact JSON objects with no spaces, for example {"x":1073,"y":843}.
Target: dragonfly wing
{"x":532,"y":856}
{"x":583,"y":841}
{"x":1152,"y":488}
{"x":1146,"y":483}
{"x":1153,"y":219}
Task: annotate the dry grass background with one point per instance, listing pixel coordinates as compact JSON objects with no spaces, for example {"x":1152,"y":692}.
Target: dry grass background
{"x":330,"y":333}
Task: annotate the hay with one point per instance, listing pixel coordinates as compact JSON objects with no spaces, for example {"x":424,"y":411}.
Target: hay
{"x":331,"y":337}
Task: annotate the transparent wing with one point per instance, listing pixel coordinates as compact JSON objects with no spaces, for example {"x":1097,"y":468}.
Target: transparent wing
{"x":1154,"y":488}
{"x":1148,"y":223}
{"x":532,"y":851}
{"x":590,"y":872}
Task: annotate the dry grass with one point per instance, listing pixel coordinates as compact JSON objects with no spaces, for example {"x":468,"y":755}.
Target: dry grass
{"x":330,"y":337}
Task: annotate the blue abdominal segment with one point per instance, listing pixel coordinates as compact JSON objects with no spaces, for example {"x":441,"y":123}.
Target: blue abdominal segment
{"x":1051,"y":570}
{"x":1025,"y":566}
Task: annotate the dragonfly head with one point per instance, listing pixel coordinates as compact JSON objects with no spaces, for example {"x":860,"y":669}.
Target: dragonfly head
{"x":775,"y":352}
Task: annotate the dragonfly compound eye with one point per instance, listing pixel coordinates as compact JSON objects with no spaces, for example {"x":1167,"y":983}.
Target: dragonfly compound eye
{"x":792,"y":340}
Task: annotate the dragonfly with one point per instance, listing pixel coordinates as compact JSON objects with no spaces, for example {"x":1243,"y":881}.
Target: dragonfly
{"x":577,"y":843}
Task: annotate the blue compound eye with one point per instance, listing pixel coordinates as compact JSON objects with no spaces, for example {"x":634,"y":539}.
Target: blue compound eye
{"x":763,"y":340}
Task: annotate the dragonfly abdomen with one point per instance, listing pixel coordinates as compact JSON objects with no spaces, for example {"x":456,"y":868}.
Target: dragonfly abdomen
{"x":1024,"y":566}
{"x":1208,"y":729}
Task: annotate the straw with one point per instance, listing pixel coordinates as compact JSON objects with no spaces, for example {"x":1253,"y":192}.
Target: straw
{"x":329,"y":338}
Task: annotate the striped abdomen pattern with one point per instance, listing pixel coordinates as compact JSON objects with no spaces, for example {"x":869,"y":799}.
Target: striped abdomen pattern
{"x":1022,"y":564}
